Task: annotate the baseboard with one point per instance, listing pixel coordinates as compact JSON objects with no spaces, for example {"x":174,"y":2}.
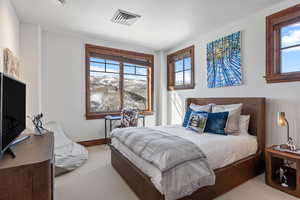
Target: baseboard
{"x":95,"y":142}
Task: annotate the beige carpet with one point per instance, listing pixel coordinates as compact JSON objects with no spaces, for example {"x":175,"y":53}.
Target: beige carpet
{"x":97,"y":180}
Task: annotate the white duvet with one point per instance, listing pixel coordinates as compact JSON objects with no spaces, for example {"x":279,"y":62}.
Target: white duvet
{"x":220,"y":150}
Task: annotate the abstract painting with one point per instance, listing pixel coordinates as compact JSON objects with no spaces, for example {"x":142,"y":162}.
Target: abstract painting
{"x":224,"y":61}
{"x":11,"y":64}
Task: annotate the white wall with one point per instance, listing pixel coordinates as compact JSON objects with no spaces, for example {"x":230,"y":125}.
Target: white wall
{"x":55,"y":72}
{"x":280,"y":97}
{"x":30,"y":50}
{"x":161,"y":88}
{"x":63,"y":83}
{"x":9,"y":29}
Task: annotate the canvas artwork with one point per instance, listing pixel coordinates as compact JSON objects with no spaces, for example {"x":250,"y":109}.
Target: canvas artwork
{"x":11,"y":64}
{"x":224,"y":61}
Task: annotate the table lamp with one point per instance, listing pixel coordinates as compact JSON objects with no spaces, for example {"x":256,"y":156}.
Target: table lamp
{"x":282,"y":121}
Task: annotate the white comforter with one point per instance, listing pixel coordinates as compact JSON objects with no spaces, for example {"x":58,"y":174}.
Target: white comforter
{"x":220,"y":150}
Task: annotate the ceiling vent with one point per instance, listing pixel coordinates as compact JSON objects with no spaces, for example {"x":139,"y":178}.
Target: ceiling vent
{"x":62,"y":1}
{"x":124,"y":17}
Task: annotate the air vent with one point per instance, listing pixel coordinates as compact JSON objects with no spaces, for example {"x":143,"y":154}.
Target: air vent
{"x":62,"y":1}
{"x":124,"y":17}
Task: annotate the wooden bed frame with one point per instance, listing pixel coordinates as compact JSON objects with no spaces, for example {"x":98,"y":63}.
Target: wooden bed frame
{"x":226,"y":178}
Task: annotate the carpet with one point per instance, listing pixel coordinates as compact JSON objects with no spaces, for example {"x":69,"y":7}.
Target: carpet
{"x":97,"y":180}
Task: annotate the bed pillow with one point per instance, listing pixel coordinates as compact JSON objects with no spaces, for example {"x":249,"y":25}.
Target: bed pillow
{"x":197,"y":121}
{"x":233,"y":122}
{"x":194,"y":107}
{"x":244,"y":124}
{"x":216,"y":123}
{"x":206,"y":108}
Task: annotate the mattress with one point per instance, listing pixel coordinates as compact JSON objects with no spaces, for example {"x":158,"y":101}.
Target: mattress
{"x":220,"y":150}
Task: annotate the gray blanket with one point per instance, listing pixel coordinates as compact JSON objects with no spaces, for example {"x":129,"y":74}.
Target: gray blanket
{"x":183,"y":165}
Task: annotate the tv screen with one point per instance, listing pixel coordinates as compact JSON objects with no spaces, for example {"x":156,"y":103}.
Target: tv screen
{"x":13,"y":105}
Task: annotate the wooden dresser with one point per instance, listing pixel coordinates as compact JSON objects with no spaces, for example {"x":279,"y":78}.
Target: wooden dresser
{"x":29,"y":176}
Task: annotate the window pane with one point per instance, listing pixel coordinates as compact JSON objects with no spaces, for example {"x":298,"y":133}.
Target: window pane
{"x":187,"y":77}
{"x":112,"y":68}
{"x":97,"y":59}
{"x":112,"y":62}
{"x":290,"y":60}
{"x":97,"y":66}
{"x":187,"y":63}
{"x":135,"y":92}
{"x":129,"y":70}
{"x":290,"y":35}
{"x":179,"y":65}
{"x":141,"y":70}
{"x":104,"y":92}
{"x":179,"y":78}
{"x":129,"y":65}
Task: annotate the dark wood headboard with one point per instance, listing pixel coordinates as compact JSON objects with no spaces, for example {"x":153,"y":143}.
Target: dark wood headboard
{"x":255,"y":107}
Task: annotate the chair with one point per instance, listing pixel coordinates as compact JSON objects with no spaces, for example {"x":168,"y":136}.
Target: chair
{"x":68,"y":154}
{"x":129,"y":118}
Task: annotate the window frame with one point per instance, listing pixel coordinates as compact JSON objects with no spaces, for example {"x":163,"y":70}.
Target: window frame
{"x":122,"y":56}
{"x":274,"y":23}
{"x":171,"y":60}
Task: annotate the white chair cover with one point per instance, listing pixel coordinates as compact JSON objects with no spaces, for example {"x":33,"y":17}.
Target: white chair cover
{"x":68,"y":154}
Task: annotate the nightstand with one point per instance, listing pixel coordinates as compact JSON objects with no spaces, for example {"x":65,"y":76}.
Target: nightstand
{"x":276,"y":159}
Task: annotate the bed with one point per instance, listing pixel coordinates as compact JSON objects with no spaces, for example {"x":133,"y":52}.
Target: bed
{"x":228,"y":176}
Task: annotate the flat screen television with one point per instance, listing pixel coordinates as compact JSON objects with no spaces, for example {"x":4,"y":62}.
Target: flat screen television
{"x":12,"y":111}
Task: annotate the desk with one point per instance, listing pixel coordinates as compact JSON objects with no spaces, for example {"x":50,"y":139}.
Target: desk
{"x":111,"y":118}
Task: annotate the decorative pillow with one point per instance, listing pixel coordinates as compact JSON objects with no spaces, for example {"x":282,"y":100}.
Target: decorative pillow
{"x":197,"y":121}
{"x":129,"y":117}
{"x":216,"y":123}
{"x":244,"y":124}
{"x":205,"y":108}
{"x":194,"y":107}
{"x":232,"y":126}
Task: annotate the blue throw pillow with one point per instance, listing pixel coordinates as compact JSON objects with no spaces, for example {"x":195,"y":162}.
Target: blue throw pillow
{"x":187,"y":117}
{"x":193,"y":107}
{"x":216,"y":123}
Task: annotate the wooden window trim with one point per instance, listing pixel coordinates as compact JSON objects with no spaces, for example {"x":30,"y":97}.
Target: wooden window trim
{"x":122,"y":56}
{"x":171,"y":58}
{"x":274,"y":23}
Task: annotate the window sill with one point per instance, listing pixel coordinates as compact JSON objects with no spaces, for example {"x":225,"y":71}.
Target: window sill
{"x":91,"y":116}
{"x":184,"y":87}
{"x":287,"y":77}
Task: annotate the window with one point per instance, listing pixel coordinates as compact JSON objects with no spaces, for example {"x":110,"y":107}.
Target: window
{"x":117,"y":79}
{"x":283,"y":46}
{"x":290,"y":48}
{"x":181,"y":69}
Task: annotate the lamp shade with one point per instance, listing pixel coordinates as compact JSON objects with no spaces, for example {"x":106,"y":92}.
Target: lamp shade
{"x":281,"y":120}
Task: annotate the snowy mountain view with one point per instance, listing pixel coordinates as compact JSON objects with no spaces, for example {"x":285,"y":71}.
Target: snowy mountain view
{"x":105,"y":92}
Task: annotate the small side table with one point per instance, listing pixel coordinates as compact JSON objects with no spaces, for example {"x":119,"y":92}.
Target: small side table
{"x":274,"y":160}
{"x":111,"y":118}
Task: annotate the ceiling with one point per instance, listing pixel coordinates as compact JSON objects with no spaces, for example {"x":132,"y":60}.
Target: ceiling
{"x":164,"y":23}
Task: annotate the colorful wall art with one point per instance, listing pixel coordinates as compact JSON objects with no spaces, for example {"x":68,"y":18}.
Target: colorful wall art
{"x":11,"y":64}
{"x":224,"y":61}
